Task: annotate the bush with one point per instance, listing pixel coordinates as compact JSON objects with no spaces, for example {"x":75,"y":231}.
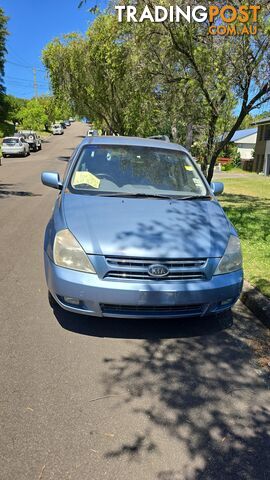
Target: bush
{"x":227,"y":167}
{"x":237,"y":160}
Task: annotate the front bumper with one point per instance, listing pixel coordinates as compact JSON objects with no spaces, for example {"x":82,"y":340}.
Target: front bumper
{"x":137,"y":299}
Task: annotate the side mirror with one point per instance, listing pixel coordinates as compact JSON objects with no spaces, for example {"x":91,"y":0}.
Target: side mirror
{"x":217,"y":188}
{"x":51,"y":179}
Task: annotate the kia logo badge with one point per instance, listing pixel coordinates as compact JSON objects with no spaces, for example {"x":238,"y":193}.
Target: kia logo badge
{"x":158,"y":271}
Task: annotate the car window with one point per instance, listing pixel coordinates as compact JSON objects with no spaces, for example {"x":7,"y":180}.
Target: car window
{"x":135,"y":170}
{"x":11,"y":141}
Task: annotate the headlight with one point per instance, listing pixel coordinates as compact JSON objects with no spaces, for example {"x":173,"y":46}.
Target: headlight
{"x":68,"y":253}
{"x":232,"y":258}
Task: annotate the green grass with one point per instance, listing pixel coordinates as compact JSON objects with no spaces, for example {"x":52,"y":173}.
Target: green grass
{"x":246,"y":201}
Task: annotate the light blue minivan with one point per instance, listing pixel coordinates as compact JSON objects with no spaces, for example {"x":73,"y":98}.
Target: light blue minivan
{"x":137,"y":232}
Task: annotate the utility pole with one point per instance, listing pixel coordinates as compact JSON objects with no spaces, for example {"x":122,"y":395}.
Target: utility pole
{"x":35,"y":82}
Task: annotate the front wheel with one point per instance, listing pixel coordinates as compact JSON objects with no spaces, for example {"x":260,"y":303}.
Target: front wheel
{"x":40,"y":147}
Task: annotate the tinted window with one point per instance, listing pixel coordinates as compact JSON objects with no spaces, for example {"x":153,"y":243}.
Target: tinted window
{"x":11,"y":141}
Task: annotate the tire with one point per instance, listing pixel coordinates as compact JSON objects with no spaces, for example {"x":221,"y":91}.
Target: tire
{"x":3,"y":155}
{"x":40,"y":147}
{"x":25,"y":153}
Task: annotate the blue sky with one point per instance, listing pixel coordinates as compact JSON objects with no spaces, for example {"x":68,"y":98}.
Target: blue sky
{"x":32,"y":24}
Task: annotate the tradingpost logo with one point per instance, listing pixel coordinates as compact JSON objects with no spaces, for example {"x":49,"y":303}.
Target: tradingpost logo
{"x":226,"y":20}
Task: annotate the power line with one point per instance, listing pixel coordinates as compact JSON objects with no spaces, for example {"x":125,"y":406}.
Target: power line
{"x":25,"y":66}
{"x":23,"y":80}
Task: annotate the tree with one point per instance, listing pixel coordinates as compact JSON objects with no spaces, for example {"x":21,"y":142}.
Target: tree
{"x":137,"y":77}
{"x":100,"y":77}
{"x":33,"y":115}
{"x":54,"y":109}
{"x":222,"y":68}
{"x":14,"y":106}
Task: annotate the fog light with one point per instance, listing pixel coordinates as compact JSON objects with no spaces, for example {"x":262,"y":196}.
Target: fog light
{"x":72,"y":301}
{"x":226,"y":302}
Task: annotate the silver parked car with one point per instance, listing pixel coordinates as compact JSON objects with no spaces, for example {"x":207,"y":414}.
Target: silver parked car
{"x":15,"y":146}
{"x":57,"y":129}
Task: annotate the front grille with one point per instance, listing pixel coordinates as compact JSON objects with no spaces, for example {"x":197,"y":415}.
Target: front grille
{"x":137,"y":269}
{"x":143,"y":310}
{"x":146,"y":276}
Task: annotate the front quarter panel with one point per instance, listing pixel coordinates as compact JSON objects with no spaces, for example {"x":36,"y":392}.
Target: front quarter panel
{"x":56,"y":223}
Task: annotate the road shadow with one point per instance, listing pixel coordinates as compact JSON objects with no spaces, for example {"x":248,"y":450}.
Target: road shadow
{"x":63,"y":158}
{"x":141,"y":328}
{"x":5,"y":191}
{"x":199,"y":395}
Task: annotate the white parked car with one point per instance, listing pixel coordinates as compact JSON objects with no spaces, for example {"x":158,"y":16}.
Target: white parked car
{"x":92,"y":133}
{"x":15,"y":146}
{"x":57,"y":129}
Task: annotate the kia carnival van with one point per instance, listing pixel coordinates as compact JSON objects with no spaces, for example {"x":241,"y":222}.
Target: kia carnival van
{"x":137,"y":231}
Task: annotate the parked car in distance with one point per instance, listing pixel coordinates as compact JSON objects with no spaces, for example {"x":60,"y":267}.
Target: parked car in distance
{"x":63,"y":125}
{"x":15,"y":146}
{"x":57,"y":129}
{"x":33,"y":140}
{"x":91,"y":132}
{"x":71,"y":119}
{"x":19,"y":134}
{"x":67,"y":123}
{"x":138,"y":232}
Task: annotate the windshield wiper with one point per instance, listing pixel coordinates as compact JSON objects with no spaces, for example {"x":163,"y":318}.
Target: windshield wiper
{"x":134,"y":195}
{"x":153,"y":195}
{"x":195,"y":197}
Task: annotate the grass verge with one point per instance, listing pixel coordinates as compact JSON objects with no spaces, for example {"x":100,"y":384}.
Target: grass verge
{"x":246,"y":201}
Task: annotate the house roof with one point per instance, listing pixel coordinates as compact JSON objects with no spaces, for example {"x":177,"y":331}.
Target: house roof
{"x":243,"y":133}
{"x":263,"y":121}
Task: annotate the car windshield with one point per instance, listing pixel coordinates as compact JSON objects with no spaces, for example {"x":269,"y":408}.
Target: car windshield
{"x":135,"y":170}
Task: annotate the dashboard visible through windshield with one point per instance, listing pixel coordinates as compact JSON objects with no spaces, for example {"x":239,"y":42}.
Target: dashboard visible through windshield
{"x":135,"y":170}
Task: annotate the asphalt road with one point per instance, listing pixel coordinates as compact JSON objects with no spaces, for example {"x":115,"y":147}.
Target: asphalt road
{"x":96,"y":399}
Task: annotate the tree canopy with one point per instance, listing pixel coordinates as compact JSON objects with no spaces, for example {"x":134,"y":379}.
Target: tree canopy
{"x":148,"y":78}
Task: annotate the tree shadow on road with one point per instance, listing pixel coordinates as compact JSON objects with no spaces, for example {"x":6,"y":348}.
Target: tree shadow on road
{"x":191,"y":385}
{"x":63,"y":158}
{"x":200,"y":395}
{"x":5,"y":191}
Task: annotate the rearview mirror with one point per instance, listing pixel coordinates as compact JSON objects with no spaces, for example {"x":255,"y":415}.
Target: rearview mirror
{"x":217,"y":188}
{"x":51,"y":179}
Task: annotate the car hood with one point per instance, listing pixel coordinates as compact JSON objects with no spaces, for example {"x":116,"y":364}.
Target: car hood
{"x":147,"y":227}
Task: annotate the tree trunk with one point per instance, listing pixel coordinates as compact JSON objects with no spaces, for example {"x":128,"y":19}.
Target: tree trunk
{"x":189,"y":136}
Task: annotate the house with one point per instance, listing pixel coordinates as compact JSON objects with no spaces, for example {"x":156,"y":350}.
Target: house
{"x":262,"y":149}
{"x":245,"y":141}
